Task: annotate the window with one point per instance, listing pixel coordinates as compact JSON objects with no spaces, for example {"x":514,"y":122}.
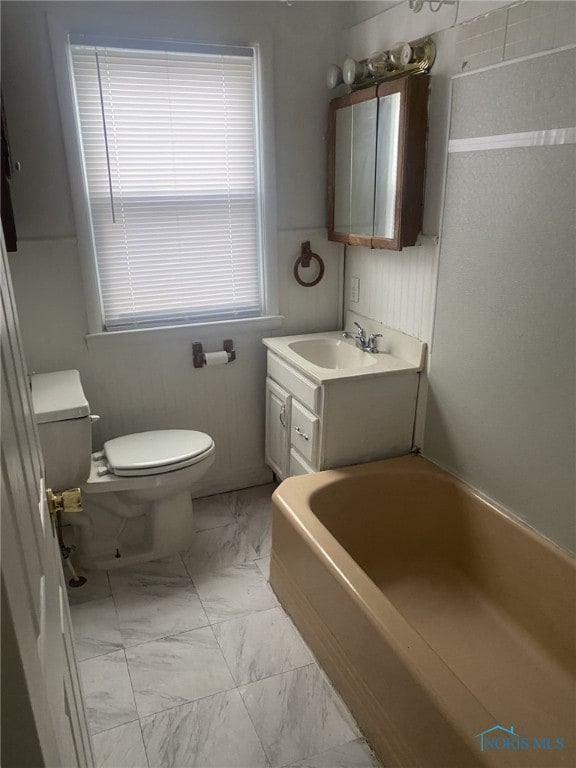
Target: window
{"x":169,"y":144}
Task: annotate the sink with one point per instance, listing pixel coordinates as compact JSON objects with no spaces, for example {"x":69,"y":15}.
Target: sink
{"x":332,"y":353}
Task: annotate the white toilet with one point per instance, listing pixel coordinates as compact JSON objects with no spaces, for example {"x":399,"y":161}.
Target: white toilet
{"x":136,"y":492}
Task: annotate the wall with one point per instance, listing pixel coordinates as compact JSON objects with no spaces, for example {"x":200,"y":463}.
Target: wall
{"x":496,"y":416}
{"x":501,"y":409}
{"x":146,"y":380}
{"x":398,"y":289}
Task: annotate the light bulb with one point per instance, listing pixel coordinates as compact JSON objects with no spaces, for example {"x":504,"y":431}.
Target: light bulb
{"x":401,"y":54}
{"x":353,"y":71}
{"x":378,"y":63}
{"x":334,"y":76}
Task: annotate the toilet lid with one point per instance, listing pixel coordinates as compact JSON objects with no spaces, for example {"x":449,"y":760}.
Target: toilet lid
{"x":159,"y":450}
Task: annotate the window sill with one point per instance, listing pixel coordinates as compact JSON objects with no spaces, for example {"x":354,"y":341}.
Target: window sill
{"x":193,"y":332}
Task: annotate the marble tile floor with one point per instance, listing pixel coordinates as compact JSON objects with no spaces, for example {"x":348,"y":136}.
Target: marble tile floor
{"x":190,"y":662}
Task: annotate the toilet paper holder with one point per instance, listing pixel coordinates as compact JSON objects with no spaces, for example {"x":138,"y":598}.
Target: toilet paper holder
{"x":199,"y":356}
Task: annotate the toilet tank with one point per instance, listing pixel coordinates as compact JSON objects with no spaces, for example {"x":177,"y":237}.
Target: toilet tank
{"x":64,"y":426}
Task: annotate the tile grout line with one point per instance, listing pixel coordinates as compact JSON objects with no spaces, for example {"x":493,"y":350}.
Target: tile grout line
{"x":185,"y":703}
{"x":137,"y":710}
{"x":237,"y":688}
{"x":190,"y":586}
{"x":210,"y":623}
{"x":144,"y":742}
{"x":113,"y":728}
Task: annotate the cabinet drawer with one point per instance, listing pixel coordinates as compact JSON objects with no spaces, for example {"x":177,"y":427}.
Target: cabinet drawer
{"x":304,"y":432}
{"x":297,"y":465}
{"x":297,"y":384}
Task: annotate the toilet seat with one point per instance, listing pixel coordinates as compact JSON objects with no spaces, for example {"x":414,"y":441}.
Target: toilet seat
{"x":156,"y":452}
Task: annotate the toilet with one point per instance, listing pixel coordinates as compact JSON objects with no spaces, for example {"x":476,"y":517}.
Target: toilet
{"x":136,"y":491}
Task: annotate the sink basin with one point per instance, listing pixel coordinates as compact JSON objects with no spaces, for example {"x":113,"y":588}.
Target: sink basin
{"x":332,"y":353}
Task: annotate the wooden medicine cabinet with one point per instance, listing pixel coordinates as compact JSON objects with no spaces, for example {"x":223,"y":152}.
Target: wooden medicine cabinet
{"x":377,"y":155}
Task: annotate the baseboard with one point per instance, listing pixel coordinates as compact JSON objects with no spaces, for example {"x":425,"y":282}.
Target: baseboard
{"x":232,"y":481}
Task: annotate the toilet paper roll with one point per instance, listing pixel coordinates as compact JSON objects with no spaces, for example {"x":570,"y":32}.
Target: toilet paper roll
{"x":216,"y":358}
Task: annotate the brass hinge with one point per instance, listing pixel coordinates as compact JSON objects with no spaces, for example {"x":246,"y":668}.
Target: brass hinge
{"x":67,"y":501}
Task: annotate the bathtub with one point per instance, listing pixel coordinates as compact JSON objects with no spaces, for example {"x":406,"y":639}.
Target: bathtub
{"x":447,"y":626}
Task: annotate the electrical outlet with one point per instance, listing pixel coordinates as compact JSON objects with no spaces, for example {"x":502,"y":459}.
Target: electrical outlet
{"x":355,"y":289}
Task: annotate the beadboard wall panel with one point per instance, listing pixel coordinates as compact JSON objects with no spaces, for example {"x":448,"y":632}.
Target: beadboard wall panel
{"x":396,"y":288}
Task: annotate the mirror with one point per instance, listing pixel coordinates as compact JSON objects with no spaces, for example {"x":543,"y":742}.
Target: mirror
{"x":386,"y":165}
{"x":355,"y":158}
{"x":376,"y":164}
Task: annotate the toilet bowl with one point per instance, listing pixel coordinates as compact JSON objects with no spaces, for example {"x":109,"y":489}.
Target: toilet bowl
{"x":137,"y":503}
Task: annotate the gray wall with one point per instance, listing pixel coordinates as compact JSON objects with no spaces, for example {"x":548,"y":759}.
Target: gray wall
{"x":501,"y":410}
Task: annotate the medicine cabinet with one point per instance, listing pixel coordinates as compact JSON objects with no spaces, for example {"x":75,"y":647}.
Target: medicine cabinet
{"x":377,"y":154}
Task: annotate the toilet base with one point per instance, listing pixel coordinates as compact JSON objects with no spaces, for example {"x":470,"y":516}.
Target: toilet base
{"x":107,"y":540}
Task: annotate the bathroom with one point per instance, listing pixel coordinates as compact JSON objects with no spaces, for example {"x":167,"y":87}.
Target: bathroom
{"x":492,"y":298}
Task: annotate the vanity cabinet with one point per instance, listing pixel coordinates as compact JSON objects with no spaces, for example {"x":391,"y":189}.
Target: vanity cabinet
{"x":376,"y":163}
{"x":312,"y":426}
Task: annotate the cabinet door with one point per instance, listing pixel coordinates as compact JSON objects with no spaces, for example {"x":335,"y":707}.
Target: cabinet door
{"x":277,"y":428}
{"x":352,"y":167}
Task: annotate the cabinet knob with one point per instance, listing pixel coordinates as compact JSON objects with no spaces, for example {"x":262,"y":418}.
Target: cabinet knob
{"x":302,"y":434}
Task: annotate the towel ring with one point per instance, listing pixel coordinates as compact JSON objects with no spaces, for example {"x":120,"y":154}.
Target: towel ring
{"x":304,"y":260}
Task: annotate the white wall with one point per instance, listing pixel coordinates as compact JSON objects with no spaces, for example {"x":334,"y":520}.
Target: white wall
{"x":146,"y":380}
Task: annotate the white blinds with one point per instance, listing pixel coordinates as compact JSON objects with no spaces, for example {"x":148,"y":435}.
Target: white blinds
{"x":169,"y":144}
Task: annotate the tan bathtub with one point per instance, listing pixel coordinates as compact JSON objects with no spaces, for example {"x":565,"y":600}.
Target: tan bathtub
{"x":436,"y":616}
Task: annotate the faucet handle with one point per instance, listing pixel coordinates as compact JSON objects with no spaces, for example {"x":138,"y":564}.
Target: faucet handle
{"x":372,"y":341}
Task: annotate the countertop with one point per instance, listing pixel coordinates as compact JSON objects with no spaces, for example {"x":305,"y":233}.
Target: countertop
{"x":384,"y":363}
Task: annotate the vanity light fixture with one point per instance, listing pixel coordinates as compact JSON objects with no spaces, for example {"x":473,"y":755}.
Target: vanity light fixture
{"x":434,"y":5}
{"x":402,"y":59}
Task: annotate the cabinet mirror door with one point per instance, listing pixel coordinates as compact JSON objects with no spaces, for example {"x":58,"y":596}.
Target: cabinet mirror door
{"x":387,"y":148}
{"x":355,"y":164}
{"x":353,"y":139}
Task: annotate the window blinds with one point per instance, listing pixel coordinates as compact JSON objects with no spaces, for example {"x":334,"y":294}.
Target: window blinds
{"x":169,"y":145}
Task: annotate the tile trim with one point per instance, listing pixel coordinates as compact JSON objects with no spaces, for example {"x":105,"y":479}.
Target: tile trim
{"x":546,"y":138}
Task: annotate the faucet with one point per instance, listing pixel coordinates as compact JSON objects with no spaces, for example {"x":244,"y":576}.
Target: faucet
{"x":366,"y":344}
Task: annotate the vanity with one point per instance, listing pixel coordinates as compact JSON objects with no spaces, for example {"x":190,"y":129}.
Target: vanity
{"x":330,"y":404}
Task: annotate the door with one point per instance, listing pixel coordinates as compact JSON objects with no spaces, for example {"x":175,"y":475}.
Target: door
{"x":277,"y":428}
{"x":43,"y":715}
